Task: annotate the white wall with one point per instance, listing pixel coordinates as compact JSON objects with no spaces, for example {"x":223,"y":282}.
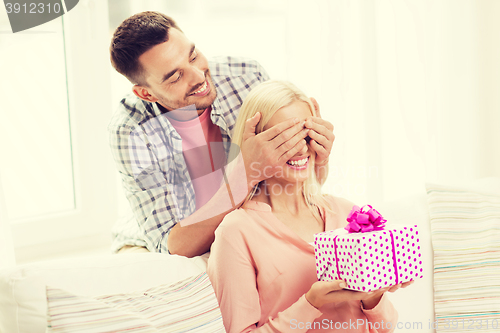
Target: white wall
{"x":410,"y":86}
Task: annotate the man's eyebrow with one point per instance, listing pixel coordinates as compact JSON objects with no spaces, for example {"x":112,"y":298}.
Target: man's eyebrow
{"x":172,"y":72}
{"x":192,"y":49}
{"x":168,"y":75}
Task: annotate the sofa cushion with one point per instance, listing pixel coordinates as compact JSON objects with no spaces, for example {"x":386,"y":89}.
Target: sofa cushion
{"x":23,"y":302}
{"x":188,"y":305}
{"x":465,"y":225}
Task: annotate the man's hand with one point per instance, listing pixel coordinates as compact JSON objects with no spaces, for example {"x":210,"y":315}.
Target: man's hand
{"x":321,"y":134}
{"x":266,"y":153}
{"x":263,"y":155}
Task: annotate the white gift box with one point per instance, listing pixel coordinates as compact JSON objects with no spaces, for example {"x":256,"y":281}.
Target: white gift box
{"x":369,"y":261}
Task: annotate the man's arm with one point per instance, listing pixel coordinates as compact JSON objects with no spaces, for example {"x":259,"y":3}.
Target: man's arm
{"x":261,"y":156}
{"x":195,"y":239}
{"x":149,"y":193}
{"x":152,"y":198}
{"x":194,"y":235}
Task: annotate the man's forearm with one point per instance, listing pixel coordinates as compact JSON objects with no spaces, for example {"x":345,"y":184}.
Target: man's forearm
{"x":194,"y":235}
{"x":195,"y":239}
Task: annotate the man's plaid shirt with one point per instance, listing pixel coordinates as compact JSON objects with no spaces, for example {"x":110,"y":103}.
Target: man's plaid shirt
{"x":148,"y":154}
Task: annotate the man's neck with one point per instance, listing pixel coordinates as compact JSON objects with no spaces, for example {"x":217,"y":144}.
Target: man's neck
{"x":184,"y":114}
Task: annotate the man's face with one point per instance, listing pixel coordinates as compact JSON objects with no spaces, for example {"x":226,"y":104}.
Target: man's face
{"x":177,"y":74}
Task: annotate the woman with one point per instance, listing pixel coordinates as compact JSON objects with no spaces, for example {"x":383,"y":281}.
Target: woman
{"x":262,"y":263}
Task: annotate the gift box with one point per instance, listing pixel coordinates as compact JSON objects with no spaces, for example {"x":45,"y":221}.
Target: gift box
{"x":367,"y":255}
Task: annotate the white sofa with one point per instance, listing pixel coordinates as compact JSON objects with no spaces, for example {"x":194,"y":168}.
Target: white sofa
{"x":23,"y":303}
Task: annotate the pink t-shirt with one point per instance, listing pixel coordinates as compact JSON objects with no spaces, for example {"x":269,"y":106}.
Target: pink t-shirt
{"x":204,"y":154}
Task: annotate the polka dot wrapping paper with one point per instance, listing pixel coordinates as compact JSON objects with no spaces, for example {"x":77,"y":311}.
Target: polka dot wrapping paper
{"x":369,"y":261}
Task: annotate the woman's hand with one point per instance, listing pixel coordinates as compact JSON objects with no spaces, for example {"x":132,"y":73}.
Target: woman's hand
{"x":321,"y":134}
{"x":372,"y":301}
{"x":323,"y":292}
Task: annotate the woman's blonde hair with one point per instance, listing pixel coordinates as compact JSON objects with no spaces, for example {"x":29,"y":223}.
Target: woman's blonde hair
{"x":267,"y":98}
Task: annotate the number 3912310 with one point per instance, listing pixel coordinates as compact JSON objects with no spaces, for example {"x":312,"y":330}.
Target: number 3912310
{"x":33,"y":8}
{"x":471,"y":324}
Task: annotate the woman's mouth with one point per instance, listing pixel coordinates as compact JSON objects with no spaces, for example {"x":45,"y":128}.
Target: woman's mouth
{"x":298,"y":164}
{"x":204,"y":90}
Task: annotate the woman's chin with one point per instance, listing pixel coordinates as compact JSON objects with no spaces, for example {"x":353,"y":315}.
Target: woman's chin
{"x":292,"y":174}
{"x":296,"y":176}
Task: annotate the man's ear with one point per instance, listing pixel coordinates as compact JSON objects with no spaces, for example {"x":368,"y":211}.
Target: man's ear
{"x":143,"y":93}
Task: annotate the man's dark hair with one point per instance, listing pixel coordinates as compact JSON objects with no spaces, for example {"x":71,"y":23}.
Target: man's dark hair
{"x":133,"y":37}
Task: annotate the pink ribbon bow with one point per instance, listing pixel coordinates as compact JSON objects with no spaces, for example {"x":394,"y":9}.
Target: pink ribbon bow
{"x":364,"y":219}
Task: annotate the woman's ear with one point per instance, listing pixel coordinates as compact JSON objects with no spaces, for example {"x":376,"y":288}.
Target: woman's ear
{"x":316,"y":106}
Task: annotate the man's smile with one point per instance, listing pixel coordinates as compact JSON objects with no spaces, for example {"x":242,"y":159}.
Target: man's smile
{"x":203,"y":90}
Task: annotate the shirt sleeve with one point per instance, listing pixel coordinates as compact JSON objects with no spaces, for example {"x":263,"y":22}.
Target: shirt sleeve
{"x":261,"y":72}
{"x":233,"y":277}
{"x":146,"y":188}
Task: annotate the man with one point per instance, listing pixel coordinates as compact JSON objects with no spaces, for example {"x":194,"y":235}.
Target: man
{"x":161,"y":135}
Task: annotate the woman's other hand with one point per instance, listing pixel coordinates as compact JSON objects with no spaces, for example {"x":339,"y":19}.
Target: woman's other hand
{"x":323,"y":292}
{"x":321,"y":135}
{"x":372,"y":301}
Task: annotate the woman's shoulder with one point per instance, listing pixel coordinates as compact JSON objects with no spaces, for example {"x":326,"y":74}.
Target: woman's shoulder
{"x":338,"y":203}
{"x":236,"y":222}
{"x":235,"y":216}
{"x":337,"y":212}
